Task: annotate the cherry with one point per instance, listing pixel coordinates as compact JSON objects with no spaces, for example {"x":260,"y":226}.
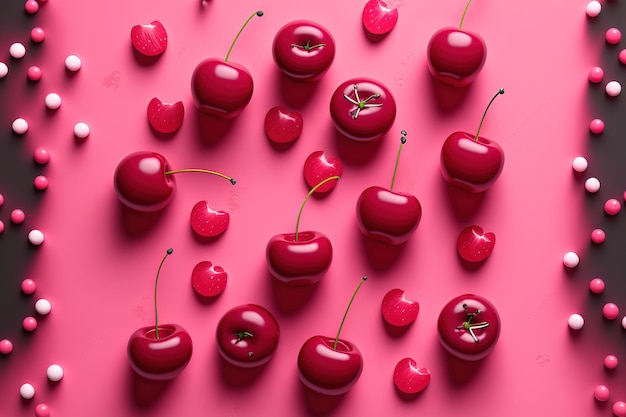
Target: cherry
{"x":206,"y":222}
{"x":149,"y":40}
{"x":318,"y":167}
{"x":165,"y":117}
{"x":283,"y":125}
{"x":378,"y":18}
{"x":397,"y":310}
{"x":408,"y":378}
{"x":208,"y":280}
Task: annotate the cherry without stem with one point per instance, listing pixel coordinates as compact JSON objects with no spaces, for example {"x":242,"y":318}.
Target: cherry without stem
{"x":333,"y":178}
{"x":343,"y":320}
{"x":156,"y":283}
{"x":500,"y":91}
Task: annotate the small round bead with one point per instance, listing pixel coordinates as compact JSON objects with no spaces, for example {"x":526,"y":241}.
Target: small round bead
{"x":613,"y":88}
{"x":81,"y":130}
{"x":622,"y":56}
{"x":20,"y":126}
{"x":17,"y":50}
{"x":596,"y":126}
{"x":29,"y":324}
{"x":27,"y":391}
{"x":624,"y":322}
{"x":41,"y":156}
{"x":580,"y":164}
{"x":37,"y":35}
{"x":4,"y":70}
{"x":598,"y":236}
{"x":40,"y":182}
{"x":6,"y":346}
{"x":610,"y":362}
{"x":42,"y":410}
{"x":619,"y":408}
{"x":1,"y":226}
{"x":28,"y":286}
{"x":18,"y":216}
{"x":34,"y":73}
{"x":597,"y":286}
{"x":43,"y":307}
{"x":613,"y":36}
{"x":31,"y":6}
{"x":601,"y":393}
{"x":610,"y":311}
{"x":593,"y":8}
{"x":2,"y":199}
{"x":575,"y":321}
{"x":73,"y":63}
{"x":36,"y":237}
{"x":612,"y":206}
{"x":596,"y":74}
{"x":53,"y":101}
{"x":54,"y":372}
{"x":592,"y":185}
{"x":571,"y":259}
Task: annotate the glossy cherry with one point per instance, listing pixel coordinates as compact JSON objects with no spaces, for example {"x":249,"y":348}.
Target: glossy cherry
{"x":208,"y":280}
{"x":455,"y":56}
{"x":397,"y":310}
{"x":165,"y":117}
{"x":300,"y":258}
{"x":474,"y":244}
{"x":469,"y":327}
{"x":408,"y":378}
{"x":222,"y":88}
{"x":283,"y":125}
{"x":362,"y":109}
{"x":328,"y":365}
{"x":318,"y":166}
{"x":149,"y":39}
{"x":303,"y":50}
{"x":206,"y":222}
{"x":247,"y":336}
{"x":144,"y":181}
{"x":388,"y":216}
{"x":472,"y":162}
{"x":162,"y":351}
{"x":378,"y":18}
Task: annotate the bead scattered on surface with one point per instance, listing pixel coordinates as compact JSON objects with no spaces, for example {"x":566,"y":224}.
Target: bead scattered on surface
{"x":53,"y":101}
{"x":73,"y":63}
{"x":596,"y":126}
{"x":41,"y":182}
{"x":613,"y":88}
{"x":18,"y":216}
{"x":610,"y":362}
{"x":17,"y":50}
{"x":28,"y":286}
{"x":29,"y":324}
{"x":27,"y":391}
{"x":612,"y":206}
{"x":36,"y":237}
{"x":20,"y":126}
{"x":4,"y":70}
{"x":6,"y":346}
{"x":575,"y":321}
{"x":601,"y":393}
{"x":592,"y":185}
{"x":593,"y":8}
{"x":37,"y":34}
{"x":610,"y":311}
{"x":580,"y":164}
{"x":43,"y":307}
{"x":619,"y":408}
{"x":2,"y":200}
{"x":1,"y":226}
{"x":81,"y":130}
{"x":598,"y":236}
{"x":597,"y":286}
{"x":571,"y":259}
{"x":42,"y":410}
{"x":54,"y":372}
{"x":624,"y":322}
{"x":613,"y":36}
{"x":41,"y":156}
{"x":596,"y":74}
{"x":622,"y":56}
{"x":31,"y":6}
{"x":34,"y":73}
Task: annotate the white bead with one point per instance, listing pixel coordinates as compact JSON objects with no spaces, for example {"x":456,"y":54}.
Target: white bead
{"x":20,"y":126}
{"x":73,"y":63}
{"x":580,"y":164}
{"x":81,"y":130}
{"x":571,"y":260}
{"x":624,"y":322}
{"x":53,"y":101}
{"x":4,"y":70}
{"x":592,"y":185}
{"x":17,"y":50}
{"x":613,"y":88}
{"x":27,"y":391}
{"x":36,"y":237}
{"x":593,"y":8}
{"x":43,"y":307}
{"x":576,"y":321}
{"x":54,"y":373}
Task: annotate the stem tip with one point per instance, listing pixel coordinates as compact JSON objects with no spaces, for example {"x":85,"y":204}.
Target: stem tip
{"x":170,"y":251}
{"x":259,"y":13}
{"x":233,"y":181}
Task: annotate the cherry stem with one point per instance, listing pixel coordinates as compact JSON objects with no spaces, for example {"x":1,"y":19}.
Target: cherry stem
{"x":257,"y":13}
{"x":318,"y":185}
{"x":469,"y":326}
{"x":395,"y":169}
{"x":156,"y":282}
{"x":203,"y":171}
{"x":464,"y":12}
{"x":307,"y":46}
{"x":348,"y":309}
{"x":500,"y":91}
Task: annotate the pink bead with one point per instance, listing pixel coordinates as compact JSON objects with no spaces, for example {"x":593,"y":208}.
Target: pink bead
{"x":610,"y":311}
{"x":41,"y":156}
{"x":18,"y":216}
{"x":597,"y":286}
{"x":619,"y":409}
{"x":610,"y":361}
{"x":34,"y":73}
{"x":1,"y":226}
{"x":622,"y":56}
{"x":28,"y":286}
{"x":6,"y":346}
{"x":37,"y":34}
{"x":2,"y":199}
{"x":596,"y":126}
{"x":601,"y":393}
{"x":42,"y":410}
{"x":612,"y":206}
{"x":41,"y":182}
{"x":613,"y":36}
{"x":29,"y":324}
{"x":31,"y":6}
{"x":598,"y":236}
{"x":624,"y":196}
{"x":596,"y":74}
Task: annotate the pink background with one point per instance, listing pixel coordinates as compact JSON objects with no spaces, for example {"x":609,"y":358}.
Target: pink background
{"x":99,"y":278}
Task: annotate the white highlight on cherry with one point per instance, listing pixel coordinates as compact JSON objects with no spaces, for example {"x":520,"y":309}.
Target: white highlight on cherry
{"x":150,"y":166}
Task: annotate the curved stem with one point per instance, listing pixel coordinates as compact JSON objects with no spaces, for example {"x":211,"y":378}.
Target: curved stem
{"x":204,"y":171}
{"x":500,"y":91}
{"x":156,"y":283}
{"x":318,"y":185}
{"x":464,"y":12}
{"x":257,"y":13}
{"x":348,"y":309}
{"x":395,"y":169}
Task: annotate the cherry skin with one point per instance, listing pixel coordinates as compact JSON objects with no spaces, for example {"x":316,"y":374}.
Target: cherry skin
{"x":474,"y":245}
{"x":303,"y":50}
{"x":410,"y":379}
{"x":165,"y":117}
{"x":318,"y":166}
{"x":455,"y":56}
{"x":150,"y":39}
{"x":283,"y":125}
{"x":208,"y":280}
{"x":221,"y":88}
{"x":362,"y":109}
{"x":247,"y":336}
{"x":469,"y":327}
{"x":206,"y":222}
{"x":397,"y":310}
{"x":378,"y":18}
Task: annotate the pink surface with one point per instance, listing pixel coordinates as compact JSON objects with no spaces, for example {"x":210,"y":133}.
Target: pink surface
{"x":99,"y":278}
